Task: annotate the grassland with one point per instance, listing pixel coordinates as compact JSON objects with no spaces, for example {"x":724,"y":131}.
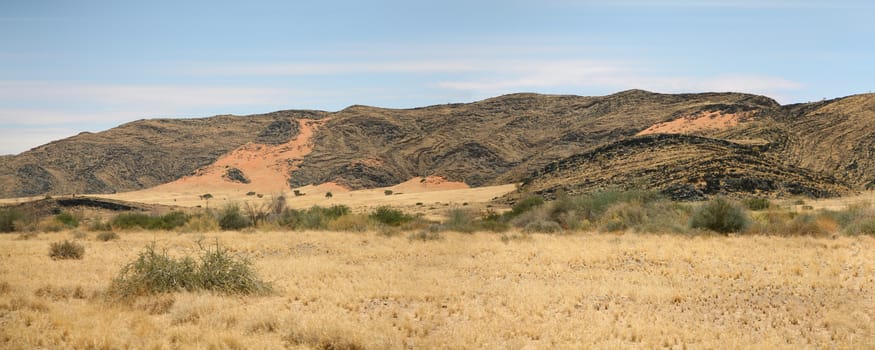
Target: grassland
{"x":365,"y":290}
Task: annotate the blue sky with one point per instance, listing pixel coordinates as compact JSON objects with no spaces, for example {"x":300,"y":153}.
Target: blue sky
{"x":71,"y":66}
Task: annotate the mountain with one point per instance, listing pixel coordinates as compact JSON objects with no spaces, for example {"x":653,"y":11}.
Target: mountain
{"x":719,"y":143}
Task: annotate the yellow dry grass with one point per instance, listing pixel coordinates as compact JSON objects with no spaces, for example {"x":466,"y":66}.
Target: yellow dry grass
{"x":465,"y":291}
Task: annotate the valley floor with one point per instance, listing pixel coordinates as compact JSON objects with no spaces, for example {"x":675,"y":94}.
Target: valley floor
{"x":466,"y":291}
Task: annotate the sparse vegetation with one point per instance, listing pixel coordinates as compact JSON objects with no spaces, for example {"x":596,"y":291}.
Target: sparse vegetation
{"x":66,"y":250}
{"x":388,"y":192}
{"x":214,"y":270}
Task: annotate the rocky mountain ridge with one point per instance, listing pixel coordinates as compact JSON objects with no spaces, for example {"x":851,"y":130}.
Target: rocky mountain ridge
{"x":745,"y":144}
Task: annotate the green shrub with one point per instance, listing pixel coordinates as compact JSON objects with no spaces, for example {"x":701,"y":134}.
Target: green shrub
{"x":66,"y":250}
{"x":169,"y":221}
{"x":107,"y":236}
{"x":525,"y":205}
{"x":315,"y":218}
{"x":720,"y":215}
{"x":67,"y":219}
{"x":388,"y":192}
{"x":389,"y":216}
{"x":231,"y":218}
{"x":542,"y":226}
{"x":8,"y":219}
{"x":757,"y":203}
{"x":221,"y":271}
{"x":215,"y":270}
{"x":864,"y":226}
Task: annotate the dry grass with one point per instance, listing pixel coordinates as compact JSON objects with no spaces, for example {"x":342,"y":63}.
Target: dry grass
{"x":363,"y":290}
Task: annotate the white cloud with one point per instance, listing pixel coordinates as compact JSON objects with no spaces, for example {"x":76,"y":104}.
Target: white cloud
{"x":602,"y":75}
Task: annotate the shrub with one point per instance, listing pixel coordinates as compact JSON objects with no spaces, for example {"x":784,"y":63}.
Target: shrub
{"x":221,"y":271}
{"x":425,"y":236}
{"x":460,"y":220}
{"x":505,"y":238}
{"x":388,"y":192}
{"x":230,"y":218}
{"x":542,"y":226}
{"x":757,"y":203}
{"x":168,"y":221}
{"x":8,"y":219}
{"x":492,"y":221}
{"x":107,"y":236}
{"x":352,"y":222}
{"x":66,"y":250}
{"x":315,"y":218}
{"x":861,"y":227}
{"x":200,"y":223}
{"x":525,"y":205}
{"x":99,"y":224}
{"x":328,"y":195}
{"x":389,"y":216}
{"x":67,"y":219}
{"x":50,"y":224}
{"x":720,"y":215}
{"x":216,"y":270}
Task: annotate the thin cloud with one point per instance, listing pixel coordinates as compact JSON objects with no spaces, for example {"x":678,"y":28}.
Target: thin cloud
{"x":115,"y":94}
{"x":20,"y":139}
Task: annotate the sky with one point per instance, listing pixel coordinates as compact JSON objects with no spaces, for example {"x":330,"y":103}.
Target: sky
{"x":73,"y":66}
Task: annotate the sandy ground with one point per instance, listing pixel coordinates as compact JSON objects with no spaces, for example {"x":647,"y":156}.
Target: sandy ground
{"x":704,"y":121}
{"x":363,"y":290}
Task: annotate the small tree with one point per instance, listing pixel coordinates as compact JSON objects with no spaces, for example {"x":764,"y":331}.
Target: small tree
{"x":206,"y":197}
{"x":328,"y":195}
{"x":388,"y":192}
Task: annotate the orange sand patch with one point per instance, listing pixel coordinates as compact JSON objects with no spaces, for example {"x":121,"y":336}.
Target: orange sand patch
{"x":266,"y":166}
{"x":703,"y":121}
{"x":426,"y":184}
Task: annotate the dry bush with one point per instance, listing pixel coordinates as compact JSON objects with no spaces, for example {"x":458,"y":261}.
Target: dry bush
{"x":107,"y":236}
{"x":200,"y":223}
{"x":542,"y":226}
{"x":351,"y":223}
{"x":66,"y":250}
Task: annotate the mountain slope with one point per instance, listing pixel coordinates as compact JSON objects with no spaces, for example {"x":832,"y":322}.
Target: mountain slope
{"x":495,"y":141}
{"x":139,"y":154}
{"x":684,"y":167}
{"x":818,"y":149}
